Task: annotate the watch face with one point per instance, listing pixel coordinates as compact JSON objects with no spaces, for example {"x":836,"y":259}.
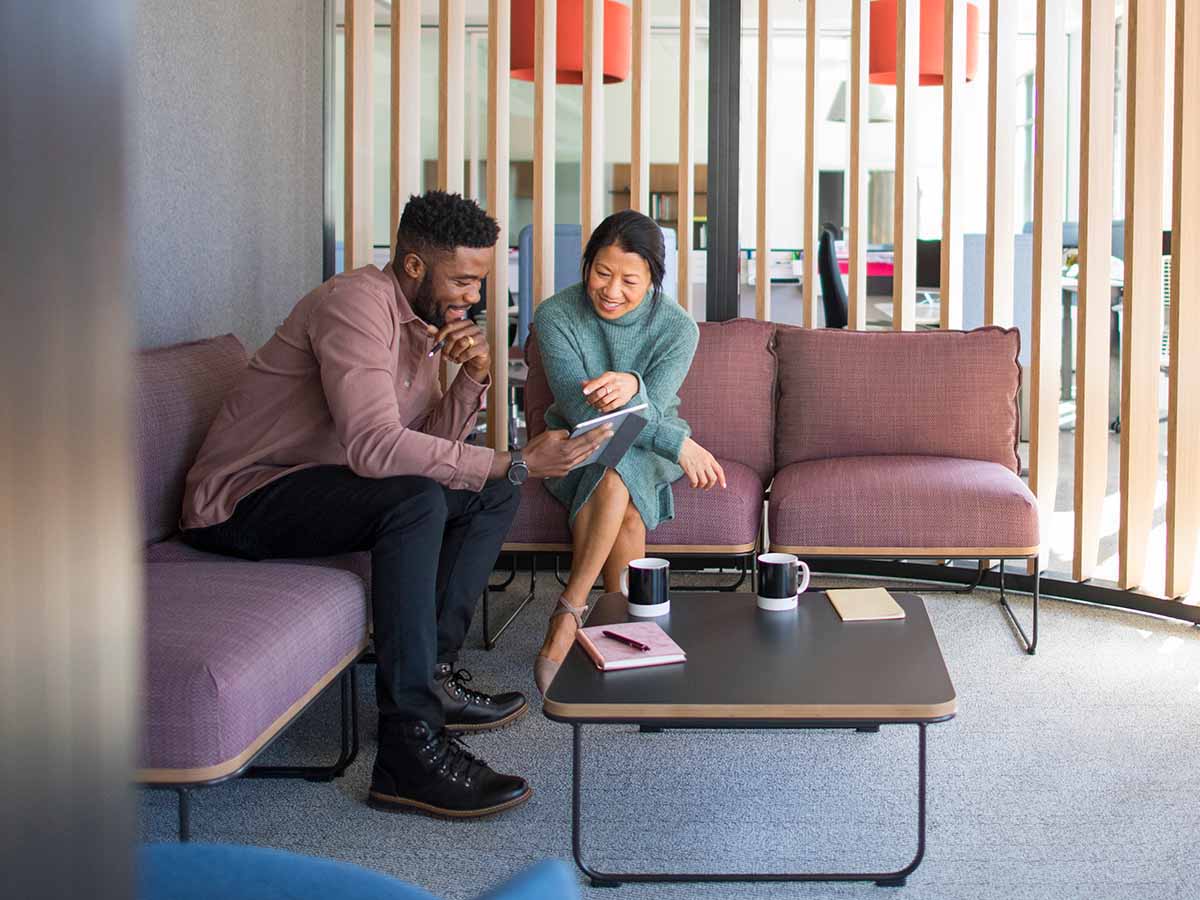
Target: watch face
{"x":518,"y":473}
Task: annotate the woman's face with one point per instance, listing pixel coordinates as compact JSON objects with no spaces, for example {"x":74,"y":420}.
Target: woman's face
{"x":618,"y":282}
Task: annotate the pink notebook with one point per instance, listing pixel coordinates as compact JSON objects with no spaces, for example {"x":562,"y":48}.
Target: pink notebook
{"x":609,"y":654}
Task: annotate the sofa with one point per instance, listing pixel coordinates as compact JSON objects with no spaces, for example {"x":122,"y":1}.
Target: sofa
{"x":224,"y":872}
{"x":234,"y":650}
{"x":865,"y":444}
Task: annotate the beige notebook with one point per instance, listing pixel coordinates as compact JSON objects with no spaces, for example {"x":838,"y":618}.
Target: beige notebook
{"x":864,"y":604}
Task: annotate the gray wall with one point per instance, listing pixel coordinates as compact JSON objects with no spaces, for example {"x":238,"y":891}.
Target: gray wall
{"x":226,"y":165}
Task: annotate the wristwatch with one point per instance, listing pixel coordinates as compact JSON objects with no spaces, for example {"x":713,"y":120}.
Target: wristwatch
{"x":518,"y":469}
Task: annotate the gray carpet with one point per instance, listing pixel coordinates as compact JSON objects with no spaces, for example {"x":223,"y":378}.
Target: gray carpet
{"x":1072,"y":774}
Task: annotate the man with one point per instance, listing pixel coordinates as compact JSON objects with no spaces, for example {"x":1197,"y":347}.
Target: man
{"x":339,"y":438}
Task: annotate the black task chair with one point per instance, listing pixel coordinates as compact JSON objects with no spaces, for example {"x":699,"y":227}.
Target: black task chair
{"x":833,"y":292}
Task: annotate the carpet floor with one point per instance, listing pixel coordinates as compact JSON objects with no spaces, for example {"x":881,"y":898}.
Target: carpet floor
{"x":1071,"y":774}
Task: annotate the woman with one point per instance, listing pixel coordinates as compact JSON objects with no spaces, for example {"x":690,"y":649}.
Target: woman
{"x":607,"y":342}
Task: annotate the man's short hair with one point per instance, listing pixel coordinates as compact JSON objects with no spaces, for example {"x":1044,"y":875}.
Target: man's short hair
{"x":437,"y":220}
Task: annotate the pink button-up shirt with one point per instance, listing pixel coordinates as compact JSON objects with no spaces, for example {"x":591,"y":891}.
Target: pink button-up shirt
{"x":344,"y":381}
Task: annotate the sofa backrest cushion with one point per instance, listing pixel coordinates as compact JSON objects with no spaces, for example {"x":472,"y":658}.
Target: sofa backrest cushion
{"x":728,"y":397}
{"x":179,"y":390}
{"x":928,"y":393}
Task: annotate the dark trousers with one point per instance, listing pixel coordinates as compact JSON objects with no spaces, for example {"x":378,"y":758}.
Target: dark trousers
{"x":432,"y":550}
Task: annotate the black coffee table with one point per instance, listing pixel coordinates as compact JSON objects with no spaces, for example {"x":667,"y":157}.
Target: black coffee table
{"x":748,"y":668}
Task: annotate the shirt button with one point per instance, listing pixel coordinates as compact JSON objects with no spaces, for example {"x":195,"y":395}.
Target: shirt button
{"x":408,"y":382}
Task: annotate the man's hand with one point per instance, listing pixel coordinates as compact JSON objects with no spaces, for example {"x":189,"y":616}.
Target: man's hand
{"x":552,"y":454}
{"x":700,"y":466}
{"x":610,"y":391}
{"x":467,"y":346}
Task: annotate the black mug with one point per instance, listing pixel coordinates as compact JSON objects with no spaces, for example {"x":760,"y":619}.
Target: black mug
{"x":646,"y":584}
{"x":779,"y":581}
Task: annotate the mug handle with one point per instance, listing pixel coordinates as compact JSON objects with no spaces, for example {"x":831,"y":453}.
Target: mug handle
{"x":625,"y":582}
{"x":804,"y":580}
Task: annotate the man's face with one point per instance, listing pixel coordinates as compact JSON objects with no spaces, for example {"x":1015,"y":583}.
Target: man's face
{"x":450,"y":285}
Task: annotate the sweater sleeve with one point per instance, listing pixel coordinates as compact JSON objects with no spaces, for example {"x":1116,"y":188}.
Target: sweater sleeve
{"x":665,"y":431}
{"x":565,"y":370}
{"x":358,"y":369}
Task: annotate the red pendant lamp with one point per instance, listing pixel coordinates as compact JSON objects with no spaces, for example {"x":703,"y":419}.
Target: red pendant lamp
{"x":933,"y":17}
{"x":617,"y":33}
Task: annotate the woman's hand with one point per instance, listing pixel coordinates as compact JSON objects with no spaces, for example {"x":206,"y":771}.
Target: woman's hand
{"x":700,"y":466}
{"x":610,"y":391}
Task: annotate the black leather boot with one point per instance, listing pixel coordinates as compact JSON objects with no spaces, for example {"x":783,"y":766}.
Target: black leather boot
{"x":468,"y":710}
{"x":421,"y":770}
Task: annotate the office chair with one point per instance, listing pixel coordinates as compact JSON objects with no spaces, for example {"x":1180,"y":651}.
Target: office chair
{"x":833,"y":292}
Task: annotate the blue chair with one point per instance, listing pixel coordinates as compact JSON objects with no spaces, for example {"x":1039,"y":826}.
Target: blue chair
{"x":224,"y":872}
{"x":568,"y":253}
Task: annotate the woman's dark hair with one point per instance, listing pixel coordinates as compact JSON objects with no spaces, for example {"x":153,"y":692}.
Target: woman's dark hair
{"x":633,"y":232}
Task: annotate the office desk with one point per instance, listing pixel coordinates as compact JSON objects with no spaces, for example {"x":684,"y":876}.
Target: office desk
{"x":1070,"y":298}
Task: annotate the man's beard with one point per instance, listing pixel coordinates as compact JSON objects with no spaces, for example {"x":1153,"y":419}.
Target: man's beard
{"x":426,"y":307}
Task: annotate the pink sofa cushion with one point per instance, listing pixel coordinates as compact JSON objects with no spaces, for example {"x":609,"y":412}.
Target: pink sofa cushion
{"x":913,"y":502}
{"x":179,"y":390}
{"x":931,"y":393}
{"x":728,"y":397}
{"x":718,"y":518}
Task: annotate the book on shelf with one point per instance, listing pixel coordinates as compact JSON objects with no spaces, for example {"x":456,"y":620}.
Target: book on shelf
{"x":609,"y":653}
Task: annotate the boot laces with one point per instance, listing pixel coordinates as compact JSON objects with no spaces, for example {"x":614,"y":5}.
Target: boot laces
{"x":451,"y":759}
{"x":458,"y":680}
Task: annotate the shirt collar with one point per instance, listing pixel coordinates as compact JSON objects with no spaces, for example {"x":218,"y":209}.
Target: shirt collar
{"x":403,"y":308}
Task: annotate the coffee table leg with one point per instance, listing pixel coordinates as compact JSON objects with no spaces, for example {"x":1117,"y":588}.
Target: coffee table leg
{"x":609,"y":879}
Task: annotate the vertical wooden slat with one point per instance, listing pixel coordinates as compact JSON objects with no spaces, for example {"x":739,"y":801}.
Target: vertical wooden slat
{"x":472,"y":115}
{"x":954,"y":68}
{"x":762,"y":291}
{"x":904,"y":240}
{"x":1095,"y":242}
{"x":812,"y":33}
{"x":639,"y":165}
{"x":1049,"y":175}
{"x":591,"y":196}
{"x":499,"y":49}
{"x":545,"y":73}
{"x":1183,"y":429}
{"x":360,"y":46}
{"x":452,"y":35}
{"x":1142,"y":329}
{"x":406,"y":107}
{"x":860,"y":44}
{"x":1001,"y":140}
{"x":687,"y":127}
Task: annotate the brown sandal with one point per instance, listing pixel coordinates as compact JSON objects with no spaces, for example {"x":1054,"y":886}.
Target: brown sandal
{"x":545,"y":668}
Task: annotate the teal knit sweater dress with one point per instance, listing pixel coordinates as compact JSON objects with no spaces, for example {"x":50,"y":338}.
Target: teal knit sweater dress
{"x":655,"y":342}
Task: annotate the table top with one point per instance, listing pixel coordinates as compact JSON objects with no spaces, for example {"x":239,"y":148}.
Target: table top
{"x":747,"y":666}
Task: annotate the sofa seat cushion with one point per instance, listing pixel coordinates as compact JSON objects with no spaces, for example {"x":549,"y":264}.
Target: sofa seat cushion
{"x":176,"y":550}
{"x":234,"y":650}
{"x":724,"y":520}
{"x":902,"y":505}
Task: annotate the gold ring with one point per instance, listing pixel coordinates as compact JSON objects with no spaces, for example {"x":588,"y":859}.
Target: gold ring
{"x":470,"y":342}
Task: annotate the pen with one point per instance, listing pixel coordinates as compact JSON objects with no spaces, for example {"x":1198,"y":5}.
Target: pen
{"x":435,"y":348}
{"x":636,"y":645}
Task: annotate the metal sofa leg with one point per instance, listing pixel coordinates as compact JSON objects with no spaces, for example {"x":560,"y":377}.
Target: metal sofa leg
{"x":185,"y":813}
{"x":490,"y":639}
{"x":1028,"y":641}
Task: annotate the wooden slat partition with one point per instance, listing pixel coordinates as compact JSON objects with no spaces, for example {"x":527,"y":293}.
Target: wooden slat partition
{"x":954,"y":67}
{"x":1095,"y":241}
{"x":591,"y":193}
{"x":762,"y":289}
{"x":1183,"y":429}
{"x":639,"y":166}
{"x":452,"y":34}
{"x":860,"y":45}
{"x":545,"y":74}
{"x":1002,"y":128}
{"x":811,"y":73}
{"x":1142,"y":327}
{"x":472,"y":113}
{"x":360,"y":46}
{"x":687,"y":128}
{"x":406,"y":107}
{"x":904,"y":276}
{"x":1048,"y":177}
{"x":499,"y":54}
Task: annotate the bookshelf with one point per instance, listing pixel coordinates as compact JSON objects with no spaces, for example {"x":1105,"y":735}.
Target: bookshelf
{"x":664,"y":196}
